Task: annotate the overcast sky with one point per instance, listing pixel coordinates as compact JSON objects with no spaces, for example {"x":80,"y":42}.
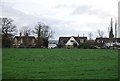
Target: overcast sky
{"x":65,"y":17}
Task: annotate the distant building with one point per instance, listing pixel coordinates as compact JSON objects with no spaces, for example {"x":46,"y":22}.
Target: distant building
{"x":52,"y":44}
{"x":24,"y":41}
{"x":69,"y":41}
{"x":108,"y":42}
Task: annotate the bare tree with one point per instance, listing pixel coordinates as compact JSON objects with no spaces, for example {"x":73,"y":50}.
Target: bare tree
{"x":7,"y":26}
{"x":25,"y":30}
{"x":90,"y":35}
{"x":43,"y":33}
{"x":100,"y":33}
{"x":7,"y":29}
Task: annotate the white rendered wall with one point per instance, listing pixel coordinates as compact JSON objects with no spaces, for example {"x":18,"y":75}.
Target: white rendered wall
{"x":71,"y":43}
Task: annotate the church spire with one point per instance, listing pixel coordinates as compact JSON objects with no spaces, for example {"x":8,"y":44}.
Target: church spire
{"x":111,"y":29}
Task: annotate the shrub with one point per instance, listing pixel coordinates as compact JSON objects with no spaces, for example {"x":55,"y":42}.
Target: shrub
{"x":74,"y":44}
{"x":60,"y":45}
{"x":83,"y":45}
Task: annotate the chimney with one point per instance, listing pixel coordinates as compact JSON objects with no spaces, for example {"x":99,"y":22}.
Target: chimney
{"x":83,"y":34}
{"x":78,"y":35}
{"x":20,"y":34}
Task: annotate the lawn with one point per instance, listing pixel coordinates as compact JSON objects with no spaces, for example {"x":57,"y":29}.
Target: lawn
{"x":32,"y":63}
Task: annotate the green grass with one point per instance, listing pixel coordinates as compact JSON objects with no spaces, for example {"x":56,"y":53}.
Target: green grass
{"x":28,"y":63}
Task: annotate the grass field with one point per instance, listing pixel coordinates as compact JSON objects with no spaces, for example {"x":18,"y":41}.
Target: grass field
{"x":28,"y":63}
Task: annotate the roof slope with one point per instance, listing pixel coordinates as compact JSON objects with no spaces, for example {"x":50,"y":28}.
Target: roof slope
{"x":64,"y":40}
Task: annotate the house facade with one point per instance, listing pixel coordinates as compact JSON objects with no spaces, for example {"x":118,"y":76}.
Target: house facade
{"x":24,"y":41}
{"x":108,"y":42}
{"x":69,"y":41}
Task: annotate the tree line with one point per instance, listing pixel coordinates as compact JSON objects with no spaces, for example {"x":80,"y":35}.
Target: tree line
{"x":8,"y":29}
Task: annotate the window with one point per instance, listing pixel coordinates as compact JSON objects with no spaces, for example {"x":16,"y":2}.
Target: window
{"x":61,"y":41}
{"x":104,"y":41}
{"x":81,"y":40}
{"x":72,"y":40}
{"x":84,"y":40}
{"x":113,"y":41}
{"x":118,"y":41}
{"x":98,"y":41}
{"x":64,"y":41}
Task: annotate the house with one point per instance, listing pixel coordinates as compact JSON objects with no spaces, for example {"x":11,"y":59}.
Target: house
{"x":24,"y":41}
{"x":108,"y":42}
{"x":69,"y":41}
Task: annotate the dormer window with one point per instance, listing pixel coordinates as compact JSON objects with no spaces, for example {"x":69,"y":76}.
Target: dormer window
{"x":72,"y":41}
{"x":81,"y":41}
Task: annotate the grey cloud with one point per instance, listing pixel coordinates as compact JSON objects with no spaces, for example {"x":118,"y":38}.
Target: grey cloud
{"x":58,"y":25}
{"x":26,"y":18}
{"x":62,"y":31}
{"x":19,"y":16}
{"x":66,"y":6}
{"x":85,"y":9}
{"x":81,"y":9}
{"x":60,"y":6}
